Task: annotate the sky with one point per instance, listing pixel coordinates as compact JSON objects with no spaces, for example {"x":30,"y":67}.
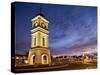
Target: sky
{"x":72,"y":29}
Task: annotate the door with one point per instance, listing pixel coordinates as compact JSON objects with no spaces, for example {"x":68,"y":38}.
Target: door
{"x":44,"y":59}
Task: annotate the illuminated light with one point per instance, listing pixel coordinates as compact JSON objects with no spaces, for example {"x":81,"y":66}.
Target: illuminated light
{"x":17,"y":57}
{"x":26,"y":61}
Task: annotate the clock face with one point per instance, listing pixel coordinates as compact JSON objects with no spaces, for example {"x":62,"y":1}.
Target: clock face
{"x":43,"y":25}
{"x":36,"y":24}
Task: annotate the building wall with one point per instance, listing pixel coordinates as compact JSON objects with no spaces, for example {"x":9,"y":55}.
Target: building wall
{"x":39,"y":39}
{"x":38,"y":52}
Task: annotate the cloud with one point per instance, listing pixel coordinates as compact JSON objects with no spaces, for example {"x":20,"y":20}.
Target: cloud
{"x":81,"y":31}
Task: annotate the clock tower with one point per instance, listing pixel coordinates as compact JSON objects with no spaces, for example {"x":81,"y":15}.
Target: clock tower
{"x":39,"y":52}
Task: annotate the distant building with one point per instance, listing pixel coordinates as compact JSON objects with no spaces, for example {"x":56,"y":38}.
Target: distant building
{"x":20,"y":59}
{"x":67,"y":59}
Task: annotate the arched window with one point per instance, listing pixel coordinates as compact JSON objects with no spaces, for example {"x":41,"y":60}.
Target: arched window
{"x":43,"y":41}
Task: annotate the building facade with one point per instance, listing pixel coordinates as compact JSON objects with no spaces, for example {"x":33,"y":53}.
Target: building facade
{"x":39,"y":53}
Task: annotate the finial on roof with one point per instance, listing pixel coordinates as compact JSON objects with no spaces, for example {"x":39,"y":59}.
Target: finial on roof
{"x":40,"y":9}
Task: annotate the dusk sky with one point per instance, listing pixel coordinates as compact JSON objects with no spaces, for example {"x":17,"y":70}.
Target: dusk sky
{"x":71,"y":28}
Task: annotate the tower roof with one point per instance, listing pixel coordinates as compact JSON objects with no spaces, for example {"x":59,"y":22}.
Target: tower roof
{"x":40,"y":14}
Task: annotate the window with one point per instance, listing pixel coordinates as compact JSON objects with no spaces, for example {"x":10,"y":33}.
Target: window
{"x":43,"y":41}
{"x":34,"y":41}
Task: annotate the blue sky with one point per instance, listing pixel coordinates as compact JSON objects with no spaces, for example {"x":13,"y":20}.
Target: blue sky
{"x":71,"y":28}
